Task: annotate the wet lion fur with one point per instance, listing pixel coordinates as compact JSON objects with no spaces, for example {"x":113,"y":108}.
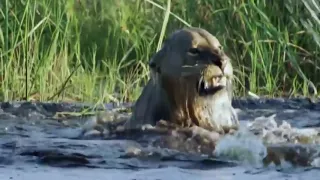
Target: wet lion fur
{"x":171,"y":93}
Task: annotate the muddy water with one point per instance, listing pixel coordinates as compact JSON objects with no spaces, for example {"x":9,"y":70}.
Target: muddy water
{"x":36,"y":144}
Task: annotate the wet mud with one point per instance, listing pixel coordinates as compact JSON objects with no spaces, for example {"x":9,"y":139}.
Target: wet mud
{"x":44,"y":136}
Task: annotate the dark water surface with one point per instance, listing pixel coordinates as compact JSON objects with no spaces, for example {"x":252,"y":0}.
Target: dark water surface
{"x":36,"y":145}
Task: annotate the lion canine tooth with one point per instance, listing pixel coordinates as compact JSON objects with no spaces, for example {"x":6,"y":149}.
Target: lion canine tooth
{"x":215,"y":81}
{"x":206,"y":85}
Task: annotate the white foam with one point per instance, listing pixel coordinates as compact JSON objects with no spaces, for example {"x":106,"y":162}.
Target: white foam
{"x":316,"y":162}
{"x":243,"y":146}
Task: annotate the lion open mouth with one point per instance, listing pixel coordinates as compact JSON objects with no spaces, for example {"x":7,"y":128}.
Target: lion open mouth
{"x":207,"y":87}
{"x":211,"y":81}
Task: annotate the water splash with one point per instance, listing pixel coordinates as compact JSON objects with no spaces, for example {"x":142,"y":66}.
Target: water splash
{"x":316,"y":162}
{"x":267,"y":129}
{"x":242,"y":146}
{"x":262,"y":141}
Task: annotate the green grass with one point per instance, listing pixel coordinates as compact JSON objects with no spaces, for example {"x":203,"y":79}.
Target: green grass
{"x":97,"y":51}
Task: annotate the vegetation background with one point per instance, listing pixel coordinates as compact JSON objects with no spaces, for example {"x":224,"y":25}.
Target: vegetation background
{"x":97,"y":50}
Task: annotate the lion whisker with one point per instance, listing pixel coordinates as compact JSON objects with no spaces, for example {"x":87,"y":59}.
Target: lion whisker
{"x":188,"y":70}
{"x":199,"y":83}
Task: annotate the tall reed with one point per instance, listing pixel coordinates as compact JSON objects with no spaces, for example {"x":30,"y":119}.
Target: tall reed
{"x":97,"y":51}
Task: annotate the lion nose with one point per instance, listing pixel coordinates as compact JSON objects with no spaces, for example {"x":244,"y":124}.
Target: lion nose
{"x":220,"y":62}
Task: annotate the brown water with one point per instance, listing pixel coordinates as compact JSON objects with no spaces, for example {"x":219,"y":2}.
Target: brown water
{"x":34,"y":145}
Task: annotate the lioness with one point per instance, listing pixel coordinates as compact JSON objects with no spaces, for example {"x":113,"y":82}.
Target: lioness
{"x":190,"y":85}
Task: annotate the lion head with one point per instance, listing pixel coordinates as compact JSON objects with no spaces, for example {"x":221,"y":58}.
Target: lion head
{"x":196,"y":57}
{"x":190,"y":84}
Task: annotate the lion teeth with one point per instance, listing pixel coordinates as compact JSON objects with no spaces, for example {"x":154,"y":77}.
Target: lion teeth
{"x":209,"y":83}
{"x":215,"y":81}
{"x":206,"y":85}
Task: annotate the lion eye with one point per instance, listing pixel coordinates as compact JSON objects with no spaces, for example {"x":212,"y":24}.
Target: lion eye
{"x":194,"y":51}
